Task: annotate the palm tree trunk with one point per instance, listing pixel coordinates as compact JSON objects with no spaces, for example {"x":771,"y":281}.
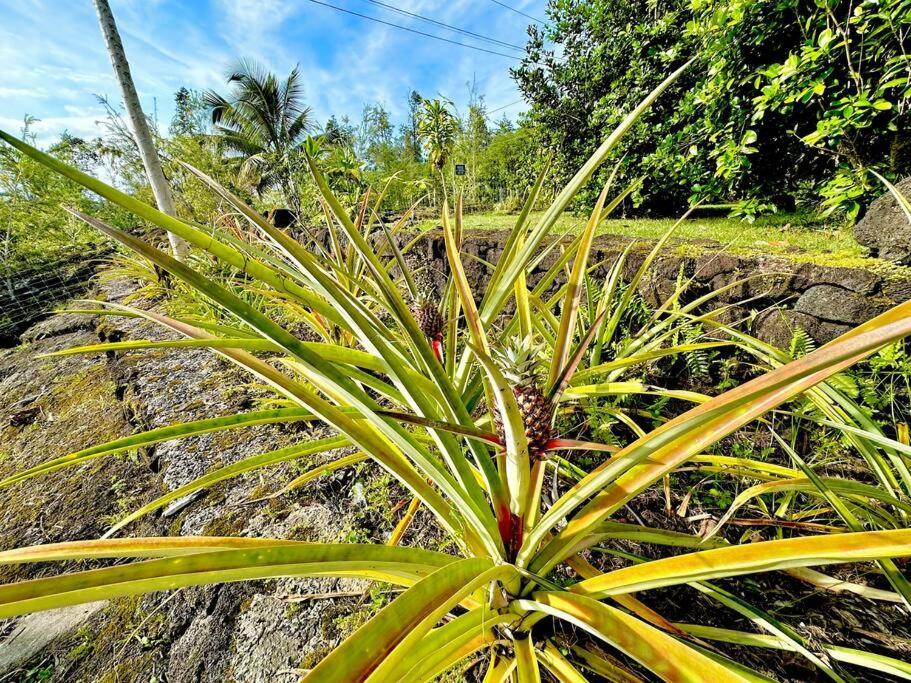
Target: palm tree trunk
{"x":138,"y":121}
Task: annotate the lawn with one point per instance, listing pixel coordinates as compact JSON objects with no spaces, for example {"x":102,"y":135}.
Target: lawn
{"x":796,"y":236}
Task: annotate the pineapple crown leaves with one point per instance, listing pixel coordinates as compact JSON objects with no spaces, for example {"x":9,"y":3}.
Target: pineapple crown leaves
{"x":425,"y":298}
{"x":520,"y":360}
{"x":425,"y":287}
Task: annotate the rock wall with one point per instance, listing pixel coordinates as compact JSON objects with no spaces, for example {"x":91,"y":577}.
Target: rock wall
{"x":779,"y":295}
{"x":256,"y":631}
{"x":885,"y":228}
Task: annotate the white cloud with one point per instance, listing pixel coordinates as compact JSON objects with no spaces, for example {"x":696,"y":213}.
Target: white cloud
{"x":51,"y":127}
{"x":37,"y":93}
{"x":250,"y":21}
{"x":55,"y":61}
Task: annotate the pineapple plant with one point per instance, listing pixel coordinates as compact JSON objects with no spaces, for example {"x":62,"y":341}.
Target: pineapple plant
{"x":520,"y":362}
{"x":512,"y":586}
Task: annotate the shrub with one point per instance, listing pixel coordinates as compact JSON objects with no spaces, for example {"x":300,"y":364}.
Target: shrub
{"x":791,"y":100}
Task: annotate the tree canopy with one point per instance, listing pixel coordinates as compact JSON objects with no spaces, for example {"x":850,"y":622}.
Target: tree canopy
{"x":788,"y":101}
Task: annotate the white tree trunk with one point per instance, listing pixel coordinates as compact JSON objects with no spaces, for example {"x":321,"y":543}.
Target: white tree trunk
{"x":138,"y":122}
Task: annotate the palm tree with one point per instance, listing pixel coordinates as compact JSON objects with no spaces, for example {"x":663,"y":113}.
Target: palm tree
{"x":263,"y":122}
{"x":138,"y":122}
{"x":437,"y":128}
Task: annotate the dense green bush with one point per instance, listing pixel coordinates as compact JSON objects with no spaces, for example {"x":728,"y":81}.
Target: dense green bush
{"x":822,"y":89}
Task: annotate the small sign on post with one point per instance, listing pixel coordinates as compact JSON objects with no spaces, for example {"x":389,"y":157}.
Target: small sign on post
{"x":460,"y":169}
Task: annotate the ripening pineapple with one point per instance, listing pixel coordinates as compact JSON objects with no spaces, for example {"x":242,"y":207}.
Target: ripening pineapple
{"x":520,"y":364}
{"x":428,"y":316}
{"x":423,"y":307}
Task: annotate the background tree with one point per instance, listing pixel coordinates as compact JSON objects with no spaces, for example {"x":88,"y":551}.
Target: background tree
{"x":190,"y":116}
{"x":789,"y":102}
{"x":473,"y":138}
{"x":411,"y":140}
{"x":375,"y":136}
{"x":192,"y":140}
{"x":263,"y":122}
{"x":508,"y":165}
{"x":138,"y":122}
{"x":339,"y":133}
{"x":592,"y":64}
{"x":437,"y":128}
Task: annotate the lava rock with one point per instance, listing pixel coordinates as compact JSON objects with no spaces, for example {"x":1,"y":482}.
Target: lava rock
{"x":835,"y":304}
{"x":24,"y":417}
{"x":777,"y":327}
{"x":885,"y":229}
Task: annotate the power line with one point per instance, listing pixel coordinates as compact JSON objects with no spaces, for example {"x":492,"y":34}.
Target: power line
{"x":505,"y":106}
{"x":413,"y":30}
{"x":513,"y":9}
{"x":447,"y":26}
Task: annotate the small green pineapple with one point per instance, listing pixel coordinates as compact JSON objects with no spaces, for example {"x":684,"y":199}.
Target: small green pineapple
{"x":520,"y":363}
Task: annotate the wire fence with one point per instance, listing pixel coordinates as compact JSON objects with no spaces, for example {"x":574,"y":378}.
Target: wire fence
{"x":30,"y":290}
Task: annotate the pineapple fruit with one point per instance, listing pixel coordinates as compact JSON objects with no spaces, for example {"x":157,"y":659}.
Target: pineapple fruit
{"x":520,"y":363}
{"x":430,"y":320}
{"x":424,"y":308}
{"x":428,"y":317}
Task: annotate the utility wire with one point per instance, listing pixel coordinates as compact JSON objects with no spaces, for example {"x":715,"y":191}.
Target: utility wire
{"x":513,"y":9}
{"x":505,"y":106}
{"x":447,"y":26}
{"x":413,"y":30}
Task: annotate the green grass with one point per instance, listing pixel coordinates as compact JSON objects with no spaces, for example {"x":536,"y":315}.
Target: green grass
{"x":795,"y":236}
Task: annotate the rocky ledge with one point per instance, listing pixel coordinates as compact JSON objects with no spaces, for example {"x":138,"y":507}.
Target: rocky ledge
{"x":778,"y":295}
{"x":259,"y":631}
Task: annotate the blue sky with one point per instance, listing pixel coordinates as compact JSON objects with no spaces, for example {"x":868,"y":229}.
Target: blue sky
{"x":54,"y":62}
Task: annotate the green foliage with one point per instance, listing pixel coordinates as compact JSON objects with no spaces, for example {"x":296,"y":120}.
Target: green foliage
{"x":801,"y":343}
{"x":698,"y":361}
{"x":821,"y":89}
{"x":417,"y":161}
{"x":833,"y":75}
{"x":191,"y":115}
{"x":884,"y":385}
{"x":40,"y":672}
{"x":34,"y":231}
{"x":610,"y":55}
